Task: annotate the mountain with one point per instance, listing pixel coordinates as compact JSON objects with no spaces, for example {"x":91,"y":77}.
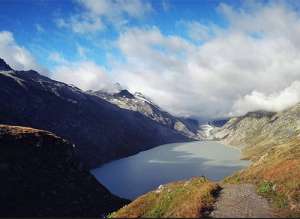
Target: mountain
{"x":256,"y":131}
{"x":272,"y":141}
{"x":100,"y":130}
{"x":137,"y":102}
{"x":4,"y":66}
{"x":41,"y":177}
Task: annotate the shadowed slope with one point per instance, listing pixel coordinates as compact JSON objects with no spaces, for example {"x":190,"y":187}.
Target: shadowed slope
{"x":40,"y":176}
{"x":100,"y":130}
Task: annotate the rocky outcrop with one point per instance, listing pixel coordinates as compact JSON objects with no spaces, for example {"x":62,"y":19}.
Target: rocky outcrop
{"x":41,"y":177}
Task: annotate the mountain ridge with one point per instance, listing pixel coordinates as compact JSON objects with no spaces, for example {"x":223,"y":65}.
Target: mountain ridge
{"x":101,"y":131}
{"x":137,"y":102}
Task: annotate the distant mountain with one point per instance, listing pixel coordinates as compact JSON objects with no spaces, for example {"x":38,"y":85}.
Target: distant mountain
{"x":101,"y":131}
{"x":137,"y":102}
{"x":218,"y":122}
{"x":41,"y":177}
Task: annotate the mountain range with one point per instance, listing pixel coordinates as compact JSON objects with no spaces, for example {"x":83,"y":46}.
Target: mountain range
{"x":138,"y":102}
{"x":50,"y":176}
{"x":101,"y":131}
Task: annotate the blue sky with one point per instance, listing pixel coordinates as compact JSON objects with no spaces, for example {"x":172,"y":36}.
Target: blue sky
{"x":202,"y":58}
{"x":33,"y":24}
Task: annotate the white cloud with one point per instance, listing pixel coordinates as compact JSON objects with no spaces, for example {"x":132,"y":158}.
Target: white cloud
{"x":82,"y":51}
{"x":97,"y":15}
{"x":18,"y":57}
{"x":83,"y":74}
{"x":108,"y":8}
{"x":197,"y":31}
{"x":39,"y":28}
{"x":276,"y":101}
{"x":166,"y":5}
{"x":252,"y":64}
{"x":248,"y":65}
{"x":57,"y":57}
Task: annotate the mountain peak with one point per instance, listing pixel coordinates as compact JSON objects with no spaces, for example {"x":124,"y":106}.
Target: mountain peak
{"x":124,"y":93}
{"x":4,"y":66}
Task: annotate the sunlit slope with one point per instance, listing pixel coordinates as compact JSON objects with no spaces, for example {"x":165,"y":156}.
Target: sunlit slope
{"x":191,"y":199}
{"x":272,"y":141}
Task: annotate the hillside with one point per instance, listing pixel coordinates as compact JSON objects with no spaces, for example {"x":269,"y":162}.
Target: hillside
{"x":272,"y":142}
{"x":40,"y":176}
{"x":101,"y":131}
{"x":190,"y":199}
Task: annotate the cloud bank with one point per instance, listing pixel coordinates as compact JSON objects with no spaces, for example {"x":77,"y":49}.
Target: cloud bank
{"x":84,"y":74}
{"x":252,"y":64}
{"x":276,"y":101}
{"x":97,"y":15}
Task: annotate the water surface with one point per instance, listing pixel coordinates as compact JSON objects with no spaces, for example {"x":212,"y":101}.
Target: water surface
{"x":135,"y":175}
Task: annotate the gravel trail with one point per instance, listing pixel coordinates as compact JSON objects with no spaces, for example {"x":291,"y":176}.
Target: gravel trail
{"x":241,"y":201}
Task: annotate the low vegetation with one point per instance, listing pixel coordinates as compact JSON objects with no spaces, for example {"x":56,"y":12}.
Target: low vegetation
{"x":277,"y":176}
{"x":191,"y":199}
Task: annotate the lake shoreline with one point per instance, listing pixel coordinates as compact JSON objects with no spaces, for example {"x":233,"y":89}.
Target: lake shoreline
{"x":140,"y":173}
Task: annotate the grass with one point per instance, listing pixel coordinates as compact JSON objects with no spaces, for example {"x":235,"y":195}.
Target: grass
{"x":265,"y":187}
{"x":182,"y":199}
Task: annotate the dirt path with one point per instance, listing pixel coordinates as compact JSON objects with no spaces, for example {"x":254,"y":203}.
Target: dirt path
{"x":240,"y":201}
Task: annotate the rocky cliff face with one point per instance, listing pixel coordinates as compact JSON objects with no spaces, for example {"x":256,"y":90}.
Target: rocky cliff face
{"x":101,"y":131}
{"x":40,"y":176}
{"x":139,"y":103}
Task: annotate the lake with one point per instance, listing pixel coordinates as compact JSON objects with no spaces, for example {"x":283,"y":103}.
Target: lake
{"x":135,"y":175}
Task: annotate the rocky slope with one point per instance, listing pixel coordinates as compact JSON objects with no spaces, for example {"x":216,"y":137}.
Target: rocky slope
{"x":137,"y":102}
{"x":272,"y":142}
{"x":40,"y":176}
{"x":101,"y":131}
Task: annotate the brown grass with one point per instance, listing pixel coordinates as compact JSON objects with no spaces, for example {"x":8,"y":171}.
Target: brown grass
{"x":20,"y":130}
{"x":183,"y":199}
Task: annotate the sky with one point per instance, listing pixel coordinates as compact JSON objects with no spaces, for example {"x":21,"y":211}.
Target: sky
{"x":207,"y":59}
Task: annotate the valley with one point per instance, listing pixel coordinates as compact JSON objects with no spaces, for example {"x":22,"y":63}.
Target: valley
{"x":271,"y":141}
{"x":150,"y":108}
{"x":177,"y":166}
